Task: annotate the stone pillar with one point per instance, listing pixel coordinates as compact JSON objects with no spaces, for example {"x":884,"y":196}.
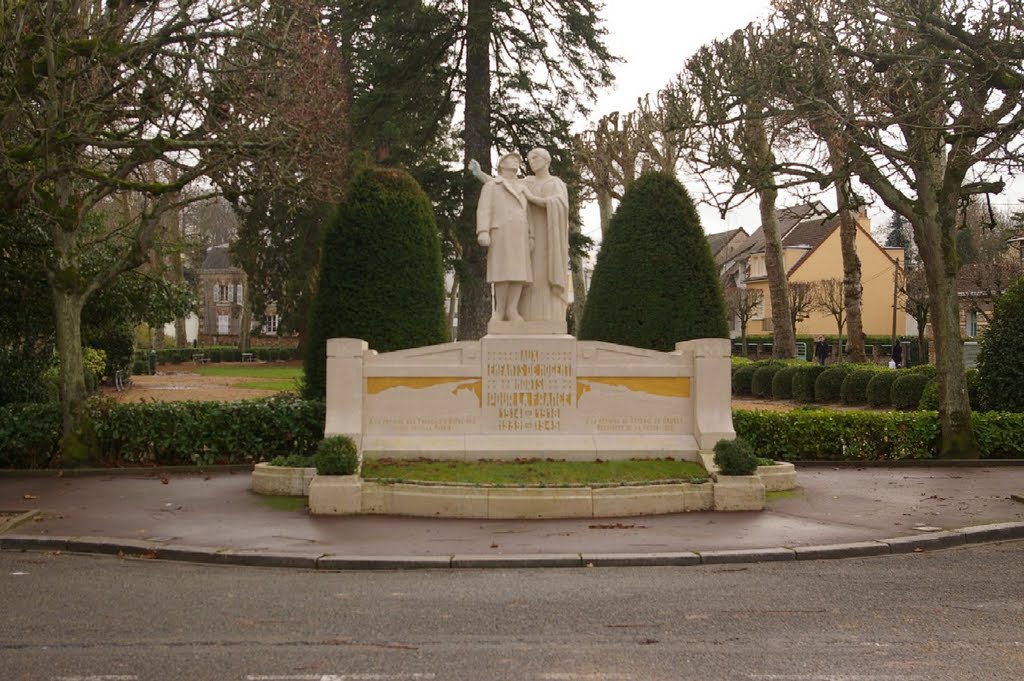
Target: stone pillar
{"x":345,"y":388}
{"x":712,"y":401}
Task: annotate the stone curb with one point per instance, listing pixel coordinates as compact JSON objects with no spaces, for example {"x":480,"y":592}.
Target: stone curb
{"x":132,"y":548}
{"x":139,"y":471}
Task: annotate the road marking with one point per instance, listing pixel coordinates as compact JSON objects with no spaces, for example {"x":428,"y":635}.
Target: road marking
{"x":586,"y":676}
{"x":412,"y":676}
{"x":97,"y":677}
{"x":832,"y":677}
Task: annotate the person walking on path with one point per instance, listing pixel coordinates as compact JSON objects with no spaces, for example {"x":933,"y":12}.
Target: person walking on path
{"x":820,"y":349}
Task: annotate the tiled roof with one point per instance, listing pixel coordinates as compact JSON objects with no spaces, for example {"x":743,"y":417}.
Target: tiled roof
{"x":219,"y":258}
{"x":719,"y":240}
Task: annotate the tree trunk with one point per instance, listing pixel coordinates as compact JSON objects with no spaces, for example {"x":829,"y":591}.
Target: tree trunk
{"x":579,"y":289}
{"x":783,"y":340}
{"x":452,"y":308}
{"x":937,"y":245}
{"x":474,"y":293}
{"x":852,"y":289}
{"x":604,"y":207}
{"x":67,"y":308}
{"x":245,"y":322}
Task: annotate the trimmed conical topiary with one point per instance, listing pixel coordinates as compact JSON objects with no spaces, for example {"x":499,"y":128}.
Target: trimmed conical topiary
{"x":655,"y":282}
{"x":381,"y":277}
{"x":1000,"y":361}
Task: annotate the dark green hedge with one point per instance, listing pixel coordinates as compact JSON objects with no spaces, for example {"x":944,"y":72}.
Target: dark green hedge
{"x":819,"y":435}
{"x":743,"y":378}
{"x":855,"y":386}
{"x":381,"y":278}
{"x":761,"y":385}
{"x":907,"y":390}
{"x":803,"y":382}
{"x":782,"y":383}
{"x":1000,"y":360}
{"x":829,"y":383}
{"x":880,"y":388}
{"x":29,"y":434}
{"x":169,"y":433}
{"x":884,"y":344}
{"x":655,"y":282}
{"x":217,"y":353}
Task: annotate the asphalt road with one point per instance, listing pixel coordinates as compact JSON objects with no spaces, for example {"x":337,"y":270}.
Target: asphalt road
{"x":950,"y":615}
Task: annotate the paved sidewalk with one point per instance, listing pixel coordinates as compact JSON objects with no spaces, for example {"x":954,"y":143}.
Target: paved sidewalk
{"x":214,"y":517}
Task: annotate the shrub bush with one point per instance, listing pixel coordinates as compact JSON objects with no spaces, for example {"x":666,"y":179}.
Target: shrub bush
{"x":804,"y":380}
{"x":336,"y":455}
{"x":29,"y":434}
{"x":929,"y":396}
{"x":735,"y":457}
{"x":855,"y":386}
{"x":825,"y":435}
{"x":742,"y":379}
{"x":880,"y":388}
{"x":1000,"y":435}
{"x":203,"y":433}
{"x":293,"y":461}
{"x":924,"y":370}
{"x":907,"y":389}
{"x":761,"y":383}
{"x":782,"y":383}
{"x":655,"y":282}
{"x":381,"y":277}
{"x":822,"y":435}
{"x":1000,"y":360}
{"x":829,"y":383}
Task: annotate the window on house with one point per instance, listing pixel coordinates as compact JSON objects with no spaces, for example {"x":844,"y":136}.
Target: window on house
{"x":223,"y":324}
{"x":270,"y":323}
{"x":757,"y":268}
{"x":221,"y":295}
{"x":238,"y":293}
{"x":759,"y":309}
{"x":971,"y":324}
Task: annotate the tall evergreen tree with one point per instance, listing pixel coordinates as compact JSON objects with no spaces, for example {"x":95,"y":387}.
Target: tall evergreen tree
{"x":655,"y":282}
{"x":380,"y":273}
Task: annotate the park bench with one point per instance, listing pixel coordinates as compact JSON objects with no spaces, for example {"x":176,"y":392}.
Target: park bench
{"x":200,"y":358}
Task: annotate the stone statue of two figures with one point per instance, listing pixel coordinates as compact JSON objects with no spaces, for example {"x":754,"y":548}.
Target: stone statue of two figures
{"x":524,"y":224}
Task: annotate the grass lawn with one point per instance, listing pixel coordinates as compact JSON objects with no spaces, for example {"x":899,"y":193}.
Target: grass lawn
{"x":281,"y":379}
{"x":251,"y":371}
{"x":535,"y":472}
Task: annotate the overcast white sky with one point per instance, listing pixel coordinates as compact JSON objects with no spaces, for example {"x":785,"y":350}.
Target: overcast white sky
{"x":654,"y":39}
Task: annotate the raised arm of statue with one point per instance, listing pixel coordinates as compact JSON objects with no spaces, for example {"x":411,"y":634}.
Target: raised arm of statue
{"x":475,"y":171}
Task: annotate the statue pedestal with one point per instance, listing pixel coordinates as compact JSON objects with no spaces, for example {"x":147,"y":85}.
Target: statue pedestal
{"x":521,"y":396}
{"x":554,"y":327}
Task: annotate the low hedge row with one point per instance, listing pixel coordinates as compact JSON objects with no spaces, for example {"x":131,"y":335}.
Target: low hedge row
{"x":853,"y":384}
{"x":167,"y":433}
{"x":219,"y":353}
{"x":820,"y":435}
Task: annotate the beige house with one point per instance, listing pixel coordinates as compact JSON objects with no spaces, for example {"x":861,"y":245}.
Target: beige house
{"x":223,"y":290}
{"x":812,"y":253}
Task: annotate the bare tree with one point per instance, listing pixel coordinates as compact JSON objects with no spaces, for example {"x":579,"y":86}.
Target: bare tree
{"x":986,"y":281}
{"x":801,"y":302}
{"x":99,"y":99}
{"x":917,"y":303}
{"x":723,"y":101}
{"x":742,"y":304}
{"x":923,"y":94}
{"x":830,"y":297}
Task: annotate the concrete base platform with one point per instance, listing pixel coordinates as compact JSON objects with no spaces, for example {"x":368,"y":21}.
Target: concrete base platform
{"x":328,"y":497}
